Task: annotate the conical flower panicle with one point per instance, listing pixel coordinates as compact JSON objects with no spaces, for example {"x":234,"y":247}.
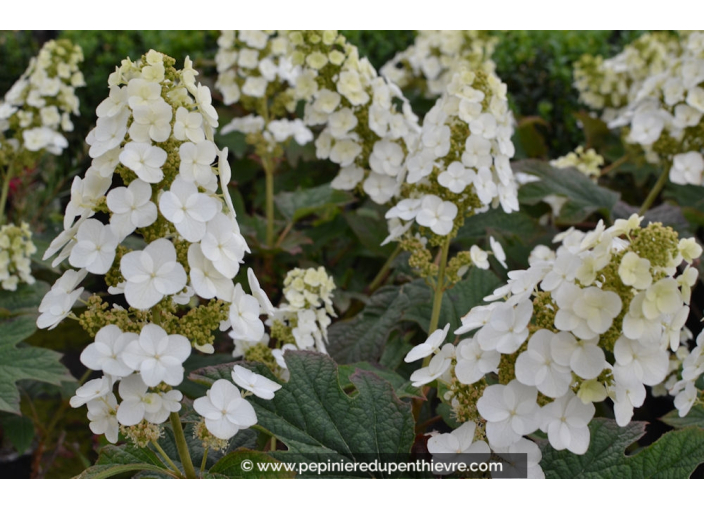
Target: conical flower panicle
{"x":157,"y":173}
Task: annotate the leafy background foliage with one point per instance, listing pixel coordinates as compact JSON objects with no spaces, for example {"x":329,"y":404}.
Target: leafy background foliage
{"x":325,"y":405}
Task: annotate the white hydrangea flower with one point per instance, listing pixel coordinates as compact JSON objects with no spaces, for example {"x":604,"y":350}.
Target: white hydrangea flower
{"x":565,"y":421}
{"x":157,"y":356}
{"x":224,"y":410}
{"x":249,"y":381}
{"x":244,"y":316}
{"x":511,"y":412}
{"x":106,"y":352}
{"x":151,"y":274}
{"x":436,"y":214}
{"x":430,"y":346}
{"x":187,"y":209}
{"x":102,"y":414}
{"x":145,"y":160}
{"x":537,"y":366}
{"x":95,"y":247}
{"x":473,"y":362}
{"x":132,"y":208}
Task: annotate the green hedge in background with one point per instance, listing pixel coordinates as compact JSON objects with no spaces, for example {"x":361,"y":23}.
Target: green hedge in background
{"x":536,"y":65}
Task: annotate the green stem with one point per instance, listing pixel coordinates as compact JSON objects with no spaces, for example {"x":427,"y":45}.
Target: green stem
{"x":439,"y":289}
{"x":659,"y":185}
{"x":205,"y":459}
{"x":5,"y":192}
{"x":620,"y":161}
{"x":383,"y":272}
{"x":268,"y":165}
{"x":166,"y":457}
{"x":182,"y":446}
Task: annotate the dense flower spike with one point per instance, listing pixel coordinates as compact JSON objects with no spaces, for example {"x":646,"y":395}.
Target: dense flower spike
{"x":255,"y":71}
{"x":300,"y":322}
{"x":155,"y":132}
{"x":665,"y":116}
{"x":608,"y":85}
{"x":369,"y":127}
{"x":547,"y":334}
{"x":16,"y":247}
{"x":460,"y":165}
{"x":436,"y":55}
{"x":38,"y":108}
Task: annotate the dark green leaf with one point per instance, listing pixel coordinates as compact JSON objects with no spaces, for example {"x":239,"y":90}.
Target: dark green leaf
{"x":457,"y":301}
{"x":103,"y":472}
{"x":583,"y":196}
{"x":303,"y":202}
{"x":694,"y":418}
{"x":371,"y":229}
{"x":25,"y":299}
{"x":19,"y":430}
{"x":117,"y":460}
{"x":516,"y":224}
{"x":311,"y":414}
{"x":675,"y":455}
{"x":402,"y":386}
{"x":394,"y":351}
{"x":24,"y":362}
{"x":363,"y":337}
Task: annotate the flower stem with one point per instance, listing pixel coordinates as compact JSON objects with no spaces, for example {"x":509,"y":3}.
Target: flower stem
{"x":205,"y":459}
{"x":659,"y":185}
{"x":182,"y":446}
{"x":268,"y":165}
{"x":384,"y":271}
{"x":439,"y":289}
{"x":620,"y":161}
{"x":166,"y":457}
{"x":5,"y":192}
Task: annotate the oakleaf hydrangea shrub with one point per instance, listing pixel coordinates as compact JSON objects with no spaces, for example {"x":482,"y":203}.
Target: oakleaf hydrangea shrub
{"x":157,"y":173}
{"x":599,"y":316}
{"x":538,"y":353}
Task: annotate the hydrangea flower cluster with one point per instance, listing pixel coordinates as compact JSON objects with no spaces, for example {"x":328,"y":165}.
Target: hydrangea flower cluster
{"x":300,"y":322}
{"x":155,"y":132}
{"x":38,"y":107}
{"x":460,"y":165}
{"x":254,"y":70}
{"x":436,"y":55}
{"x":538,"y":355}
{"x":16,"y":247}
{"x":610,"y":84}
{"x":588,"y":162}
{"x":368,"y":124}
{"x":665,"y":117}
